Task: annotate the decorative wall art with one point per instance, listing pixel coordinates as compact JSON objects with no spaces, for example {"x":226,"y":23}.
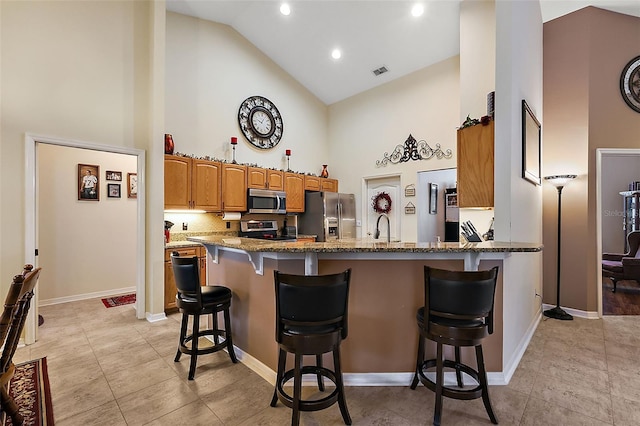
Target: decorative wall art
{"x":113,"y":190}
{"x":381,"y":202}
{"x":413,"y":150}
{"x":531,"y":135}
{"x":410,"y":190}
{"x":88,"y":182}
{"x":410,"y":208}
{"x":111,"y":175}
{"x":132,"y":185}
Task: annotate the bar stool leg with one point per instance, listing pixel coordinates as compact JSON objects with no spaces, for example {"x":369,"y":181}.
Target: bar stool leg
{"x":282,"y":359}
{"x":419,"y":361}
{"x":227,"y":335}
{"x":342,"y":403}
{"x":482,"y":376}
{"x":297,"y":390}
{"x":437,"y":415}
{"x":194,"y":346}
{"x":319,"y":364}
{"x":183,"y":334}
{"x":458,"y":371}
{"x":214,"y":326}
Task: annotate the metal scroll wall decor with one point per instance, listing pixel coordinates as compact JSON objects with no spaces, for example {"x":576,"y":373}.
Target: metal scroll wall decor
{"x":413,"y":150}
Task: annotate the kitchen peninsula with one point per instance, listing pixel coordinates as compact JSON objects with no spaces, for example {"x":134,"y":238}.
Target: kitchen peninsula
{"x":386,"y":290}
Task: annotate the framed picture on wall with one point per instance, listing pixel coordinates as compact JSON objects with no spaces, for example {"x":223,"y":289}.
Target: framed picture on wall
{"x":111,"y":175}
{"x":132,"y":185}
{"x":531,"y":143}
{"x":88,"y":182}
{"x":113,"y":190}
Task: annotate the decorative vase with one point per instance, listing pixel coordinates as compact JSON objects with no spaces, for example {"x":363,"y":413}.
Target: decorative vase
{"x":324,"y":173}
{"x":168,"y":144}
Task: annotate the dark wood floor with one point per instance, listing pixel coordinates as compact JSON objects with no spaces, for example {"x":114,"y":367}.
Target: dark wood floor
{"x":625,"y":301}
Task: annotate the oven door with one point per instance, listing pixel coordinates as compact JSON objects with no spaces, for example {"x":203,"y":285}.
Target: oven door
{"x":265,"y":201}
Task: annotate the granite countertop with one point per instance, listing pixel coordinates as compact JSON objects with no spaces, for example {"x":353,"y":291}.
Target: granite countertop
{"x":362,"y":246}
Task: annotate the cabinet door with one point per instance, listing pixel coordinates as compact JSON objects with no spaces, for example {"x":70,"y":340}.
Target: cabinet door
{"x":311,"y":183}
{"x":294,"y":187}
{"x":205,"y":185}
{"x":234,"y":188}
{"x":329,"y":185}
{"x":170,"y":290}
{"x":177,"y":182}
{"x":275,"y":180}
{"x":256,"y":177}
{"x":475,"y":166}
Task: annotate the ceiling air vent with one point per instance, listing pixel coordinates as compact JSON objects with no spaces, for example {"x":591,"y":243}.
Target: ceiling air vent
{"x":380,"y":70}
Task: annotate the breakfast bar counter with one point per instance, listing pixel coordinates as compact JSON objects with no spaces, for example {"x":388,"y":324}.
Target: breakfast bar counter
{"x":387,"y":284}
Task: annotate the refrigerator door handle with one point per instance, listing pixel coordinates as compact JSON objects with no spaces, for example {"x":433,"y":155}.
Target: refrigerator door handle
{"x":339,"y":208}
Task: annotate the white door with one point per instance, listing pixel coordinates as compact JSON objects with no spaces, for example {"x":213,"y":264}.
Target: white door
{"x":390,"y":186}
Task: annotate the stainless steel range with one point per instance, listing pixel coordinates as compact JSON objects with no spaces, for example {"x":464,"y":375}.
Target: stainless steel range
{"x":263,"y":230}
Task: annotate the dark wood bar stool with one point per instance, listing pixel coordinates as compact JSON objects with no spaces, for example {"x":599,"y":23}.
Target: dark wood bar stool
{"x":457,"y":311}
{"x":311,"y":319}
{"x":195,"y":300}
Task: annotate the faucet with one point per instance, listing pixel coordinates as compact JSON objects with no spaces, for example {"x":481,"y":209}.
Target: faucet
{"x":376,"y":234}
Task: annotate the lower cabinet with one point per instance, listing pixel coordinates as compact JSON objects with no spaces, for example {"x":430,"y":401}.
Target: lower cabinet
{"x":170,"y":290}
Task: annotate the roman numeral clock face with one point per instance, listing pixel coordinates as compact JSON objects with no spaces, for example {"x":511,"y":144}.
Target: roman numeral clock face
{"x":260,"y":122}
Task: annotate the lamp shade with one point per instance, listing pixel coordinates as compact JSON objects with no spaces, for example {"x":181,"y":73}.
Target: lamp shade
{"x":559,"y":180}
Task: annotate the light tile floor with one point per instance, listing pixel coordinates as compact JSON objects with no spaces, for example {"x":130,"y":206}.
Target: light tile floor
{"x":107,"y":368}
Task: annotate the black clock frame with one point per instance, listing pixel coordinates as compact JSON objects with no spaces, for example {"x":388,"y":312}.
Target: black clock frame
{"x":247,"y":109}
{"x":629,"y":72}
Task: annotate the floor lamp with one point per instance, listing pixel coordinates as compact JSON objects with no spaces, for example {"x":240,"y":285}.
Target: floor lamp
{"x":559,"y":181}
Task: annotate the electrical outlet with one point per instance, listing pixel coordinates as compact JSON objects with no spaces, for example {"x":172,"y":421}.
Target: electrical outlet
{"x":185,"y":226}
{"x":358,"y":223}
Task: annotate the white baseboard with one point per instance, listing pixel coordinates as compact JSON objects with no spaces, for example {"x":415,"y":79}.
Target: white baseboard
{"x":574,"y":312}
{"x":155,"y":317}
{"x":85,"y":296}
{"x":510,"y":367}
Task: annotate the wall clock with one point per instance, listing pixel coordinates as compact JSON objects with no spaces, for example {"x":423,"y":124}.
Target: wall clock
{"x":630,"y":84}
{"x":260,"y":122}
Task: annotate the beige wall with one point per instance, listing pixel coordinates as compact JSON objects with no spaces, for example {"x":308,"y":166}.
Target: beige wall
{"x":584,"y":54}
{"x":100,"y":257}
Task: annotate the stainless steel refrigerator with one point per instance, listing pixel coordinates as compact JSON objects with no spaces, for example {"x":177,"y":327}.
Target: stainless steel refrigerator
{"x":328,"y":215}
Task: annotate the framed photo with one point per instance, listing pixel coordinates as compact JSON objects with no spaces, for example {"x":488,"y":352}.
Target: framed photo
{"x":88,"y":182}
{"x":113,"y":190}
{"x":433,"y":198}
{"x":531,"y":145}
{"x":111,"y":175}
{"x":132,"y":185}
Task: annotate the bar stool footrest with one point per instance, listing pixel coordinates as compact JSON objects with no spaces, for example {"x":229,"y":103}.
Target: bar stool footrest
{"x":450,"y":392}
{"x":306,"y":405}
{"x":209,"y":349}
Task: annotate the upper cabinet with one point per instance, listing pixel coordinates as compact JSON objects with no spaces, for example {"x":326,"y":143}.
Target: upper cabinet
{"x":329,"y":185}
{"x":294,"y":187}
{"x":476,"y":166}
{"x":311,"y":183}
{"x":191,"y":184}
{"x":234,"y":188}
{"x":260,"y":178}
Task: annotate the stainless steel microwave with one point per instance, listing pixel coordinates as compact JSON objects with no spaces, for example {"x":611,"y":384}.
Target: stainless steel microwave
{"x":266,"y":201}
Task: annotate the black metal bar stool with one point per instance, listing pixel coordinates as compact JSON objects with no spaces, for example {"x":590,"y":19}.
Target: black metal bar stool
{"x":195,"y":300}
{"x":457,"y":311}
{"x":311,"y":319}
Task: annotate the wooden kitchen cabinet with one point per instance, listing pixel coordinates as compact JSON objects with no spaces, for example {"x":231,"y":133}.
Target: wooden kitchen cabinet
{"x":170,"y":290}
{"x":294,"y":187}
{"x":260,"y":178}
{"x":311,"y":183}
{"x":234,"y":188}
{"x":191,"y":184}
{"x":476,"y":166}
{"x":329,"y":185}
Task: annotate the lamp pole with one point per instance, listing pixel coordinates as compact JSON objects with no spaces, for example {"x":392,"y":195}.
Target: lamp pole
{"x":559,"y":181}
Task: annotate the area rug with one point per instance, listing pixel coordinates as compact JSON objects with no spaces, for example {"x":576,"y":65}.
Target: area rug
{"x":29,"y":388}
{"x":126,"y":299}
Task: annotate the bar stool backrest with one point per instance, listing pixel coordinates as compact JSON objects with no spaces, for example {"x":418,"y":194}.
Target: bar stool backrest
{"x":186,"y":272}
{"x":312,"y":301}
{"x":460,"y":295}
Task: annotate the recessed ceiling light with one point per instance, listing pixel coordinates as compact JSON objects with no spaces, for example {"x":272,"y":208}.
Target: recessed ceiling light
{"x":417,"y":10}
{"x":336,"y":54}
{"x":285,"y":9}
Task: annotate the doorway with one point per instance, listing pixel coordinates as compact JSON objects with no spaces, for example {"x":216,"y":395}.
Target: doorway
{"x":32,"y":208}
{"x":372,"y":187}
{"x":615,"y":169}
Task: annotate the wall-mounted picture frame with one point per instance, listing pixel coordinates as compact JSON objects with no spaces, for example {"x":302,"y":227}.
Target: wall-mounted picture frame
{"x":433,"y":198}
{"x":88,"y":182}
{"x":113,"y":190}
{"x":132,"y":185}
{"x":111,"y":175}
{"x":531,"y":145}
{"x":410,"y":190}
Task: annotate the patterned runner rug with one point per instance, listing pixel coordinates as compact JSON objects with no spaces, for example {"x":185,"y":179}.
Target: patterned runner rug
{"x":126,"y":299}
{"x":29,"y":388}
